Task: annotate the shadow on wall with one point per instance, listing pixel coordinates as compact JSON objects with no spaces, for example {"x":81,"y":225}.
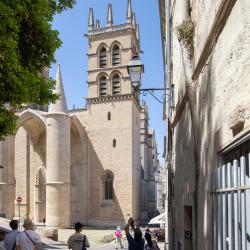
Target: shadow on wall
{"x":103,"y":207}
{"x":194,"y":162}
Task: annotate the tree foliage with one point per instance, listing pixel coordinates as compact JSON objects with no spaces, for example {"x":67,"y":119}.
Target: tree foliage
{"x":27,"y":47}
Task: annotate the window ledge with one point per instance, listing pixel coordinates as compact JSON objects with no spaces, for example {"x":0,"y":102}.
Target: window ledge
{"x":107,"y":203}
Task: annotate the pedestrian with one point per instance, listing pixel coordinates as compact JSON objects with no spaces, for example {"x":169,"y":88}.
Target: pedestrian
{"x":136,"y":242}
{"x":118,"y":237}
{"x":147,"y":231}
{"x":10,"y":238}
{"x":151,"y":244}
{"x":28,"y":239}
{"x":2,"y":234}
{"x":78,"y":241}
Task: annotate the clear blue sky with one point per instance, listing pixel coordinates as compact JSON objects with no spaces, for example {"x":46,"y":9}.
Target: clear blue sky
{"x":73,"y":24}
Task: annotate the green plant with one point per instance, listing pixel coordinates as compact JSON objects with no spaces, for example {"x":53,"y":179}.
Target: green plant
{"x":185,"y":33}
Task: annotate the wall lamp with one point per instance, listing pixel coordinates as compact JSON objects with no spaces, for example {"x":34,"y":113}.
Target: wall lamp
{"x":135,"y":70}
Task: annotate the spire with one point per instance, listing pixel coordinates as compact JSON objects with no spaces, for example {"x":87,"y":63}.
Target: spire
{"x":129,"y":12}
{"x":134,"y":19}
{"x":138,"y":32}
{"x":60,"y":106}
{"x":110,"y":15}
{"x":91,"y":19}
{"x":97,"y":24}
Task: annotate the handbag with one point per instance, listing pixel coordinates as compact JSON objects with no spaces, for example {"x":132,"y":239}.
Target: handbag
{"x":83,"y":243}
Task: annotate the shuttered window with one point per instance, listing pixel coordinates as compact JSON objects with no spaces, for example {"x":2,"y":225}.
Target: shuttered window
{"x":103,"y":58}
{"x":116,"y":85}
{"x":231,"y":202}
{"x":115,"y":56}
{"x":103,"y":86}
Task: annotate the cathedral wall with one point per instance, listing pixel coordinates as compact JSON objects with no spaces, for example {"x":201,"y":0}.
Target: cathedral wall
{"x":37,"y":159}
{"x":104,"y":157}
{"x":29,"y":157}
{"x":136,"y":163}
{"x":77,"y":177}
{"x":7,"y":188}
{"x":21,"y":168}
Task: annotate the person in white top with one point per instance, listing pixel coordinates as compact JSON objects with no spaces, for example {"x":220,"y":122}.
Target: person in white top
{"x":28,"y":239}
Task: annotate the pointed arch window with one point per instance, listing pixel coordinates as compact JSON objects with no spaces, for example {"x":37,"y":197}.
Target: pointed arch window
{"x":103,"y":86}
{"x":116,"y":85}
{"x":109,"y":187}
{"x":103,"y":58}
{"x":116,"y":55}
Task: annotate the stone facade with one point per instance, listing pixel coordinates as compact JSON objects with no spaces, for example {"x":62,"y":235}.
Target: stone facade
{"x":210,"y":120}
{"x":84,"y":165}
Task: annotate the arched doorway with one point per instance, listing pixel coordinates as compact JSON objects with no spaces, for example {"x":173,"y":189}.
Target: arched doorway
{"x":30,"y":155}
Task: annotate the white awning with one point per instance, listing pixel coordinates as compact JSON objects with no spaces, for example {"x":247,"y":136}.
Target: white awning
{"x":160,"y":219}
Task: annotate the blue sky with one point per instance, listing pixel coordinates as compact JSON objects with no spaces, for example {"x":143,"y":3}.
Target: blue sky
{"x":73,"y":24}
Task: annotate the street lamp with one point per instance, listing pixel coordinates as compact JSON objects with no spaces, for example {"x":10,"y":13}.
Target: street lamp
{"x":135,"y":70}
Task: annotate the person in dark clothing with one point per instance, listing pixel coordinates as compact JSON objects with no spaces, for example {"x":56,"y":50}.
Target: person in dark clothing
{"x":151,"y":244}
{"x":136,"y":243}
{"x":10,"y":238}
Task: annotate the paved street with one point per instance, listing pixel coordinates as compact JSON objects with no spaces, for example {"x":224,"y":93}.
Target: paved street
{"x":63,"y":246}
{"x":57,"y":245}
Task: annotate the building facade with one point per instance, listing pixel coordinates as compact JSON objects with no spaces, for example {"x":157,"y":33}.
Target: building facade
{"x":209,"y":122}
{"x":84,"y":164}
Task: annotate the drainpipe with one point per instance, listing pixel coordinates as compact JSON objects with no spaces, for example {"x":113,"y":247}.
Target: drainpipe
{"x":168,"y":56}
{"x":169,"y":106}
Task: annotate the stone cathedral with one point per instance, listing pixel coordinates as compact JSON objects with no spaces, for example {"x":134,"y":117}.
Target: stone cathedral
{"x":95,"y":165}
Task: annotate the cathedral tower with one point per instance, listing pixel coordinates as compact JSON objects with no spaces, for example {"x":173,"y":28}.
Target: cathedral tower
{"x":58,"y":160}
{"x":114,"y":120}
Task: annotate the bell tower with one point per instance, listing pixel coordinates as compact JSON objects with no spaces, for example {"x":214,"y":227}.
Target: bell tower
{"x":110,"y":50}
{"x":114,"y":119}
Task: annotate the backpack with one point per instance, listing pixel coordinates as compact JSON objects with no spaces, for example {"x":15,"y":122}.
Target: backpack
{"x":118,"y":234}
{"x":154,"y":246}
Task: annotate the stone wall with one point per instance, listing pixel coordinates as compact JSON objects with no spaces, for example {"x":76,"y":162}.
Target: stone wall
{"x":217,"y":116}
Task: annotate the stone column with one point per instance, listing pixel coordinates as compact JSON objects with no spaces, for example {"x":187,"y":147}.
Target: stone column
{"x":58,"y":170}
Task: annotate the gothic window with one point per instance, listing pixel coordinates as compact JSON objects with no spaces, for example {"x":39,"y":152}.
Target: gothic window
{"x":103,"y":58}
{"x":109,"y":116}
{"x":116,"y":85}
{"x":109,"y":187}
{"x":116,"y":55}
{"x":114,"y":143}
{"x":103,"y":86}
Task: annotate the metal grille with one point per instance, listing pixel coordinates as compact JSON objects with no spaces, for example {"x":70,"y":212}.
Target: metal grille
{"x":231,"y":205}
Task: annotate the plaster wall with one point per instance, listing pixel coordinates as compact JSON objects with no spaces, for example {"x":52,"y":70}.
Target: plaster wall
{"x":221,"y":101}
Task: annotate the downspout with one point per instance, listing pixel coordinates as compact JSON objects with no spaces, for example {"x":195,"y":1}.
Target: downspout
{"x":168,"y":110}
{"x":168,"y":57}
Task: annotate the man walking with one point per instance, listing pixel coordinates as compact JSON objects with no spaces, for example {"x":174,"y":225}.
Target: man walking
{"x":28,"y":239}
{"x":78,"y":241}
{"x":10,"y":238}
